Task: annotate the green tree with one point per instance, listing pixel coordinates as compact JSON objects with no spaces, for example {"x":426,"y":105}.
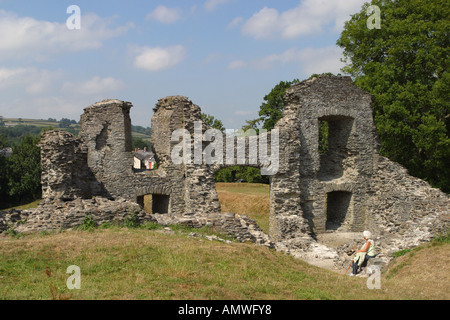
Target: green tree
{"x":25,"y":171}
{"x":213,"y":122}
{"x":271,"y":109}
{"x":4,"y":190}
{"x":141,"y":144}
{"x":404,"y":65}
{"x":236,"y":173}
{"x":3,"y":141}
{"x":65,"y":123}
{"x":252,"y":124}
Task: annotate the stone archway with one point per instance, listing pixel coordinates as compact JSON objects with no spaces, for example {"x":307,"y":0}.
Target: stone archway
{"x":159,"y":201}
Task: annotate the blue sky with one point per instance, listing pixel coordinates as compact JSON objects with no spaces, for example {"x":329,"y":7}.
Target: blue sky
{"x":225,"y":55}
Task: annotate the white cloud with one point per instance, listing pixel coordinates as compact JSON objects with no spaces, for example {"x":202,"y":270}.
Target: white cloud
{"x":321,"y":60}
{"x":235,"y":22}
{"x":34,"y":81}
{"x":94,"y":86}
{"x":164,"y":14}
{"x":237,"y":64}
{"x":157,"y":59}
{"x":36,"y":93}
{"x":44,"y":107}
{"x":25,"y":36}
{"x":309,"y":17}
{"x":8,"y":75}
{"x":211,"y":5}
{"x":309,"y":60}
{"x":262,"y":24}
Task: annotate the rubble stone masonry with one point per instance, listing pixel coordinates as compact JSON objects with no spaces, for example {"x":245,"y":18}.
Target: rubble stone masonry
{"x":349,"y":189}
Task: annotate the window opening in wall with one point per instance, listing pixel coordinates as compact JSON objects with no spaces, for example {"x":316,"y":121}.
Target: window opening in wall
{"x":334,"y":133}
{"x":323,"y":137}
{"x":338,"y":206}
{"x":154,"y":203}
{"x":102,"y":139}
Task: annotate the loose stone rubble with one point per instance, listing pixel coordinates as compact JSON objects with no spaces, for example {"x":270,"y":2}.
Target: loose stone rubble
{"x":349,"y":189}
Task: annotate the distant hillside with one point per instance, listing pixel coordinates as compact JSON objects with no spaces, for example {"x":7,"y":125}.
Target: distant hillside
{"x":14,"y":128}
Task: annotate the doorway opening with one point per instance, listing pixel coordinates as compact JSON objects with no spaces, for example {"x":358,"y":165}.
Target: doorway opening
{"x":338,"y":207}
{"x":154,"y":203}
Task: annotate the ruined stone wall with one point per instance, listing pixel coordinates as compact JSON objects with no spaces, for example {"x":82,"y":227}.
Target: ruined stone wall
{"x":340,"y":178}
{"x":195,"y":187}
{"x":99,"y":162}
{"x":65,"y":174}
{"x":105,"y":131}
{"x":403,"y":210}
{"x":350,"y":188}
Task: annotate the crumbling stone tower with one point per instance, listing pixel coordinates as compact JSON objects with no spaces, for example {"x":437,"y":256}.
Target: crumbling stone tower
{"x":100,"y":161}
{"x":318,"y":192}
{"x":192,"y":185}
{"x":349,"y":188}
{"x":105,"y":130}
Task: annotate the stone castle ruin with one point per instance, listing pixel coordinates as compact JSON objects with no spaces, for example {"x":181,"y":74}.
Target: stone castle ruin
{"x":351,"y":188}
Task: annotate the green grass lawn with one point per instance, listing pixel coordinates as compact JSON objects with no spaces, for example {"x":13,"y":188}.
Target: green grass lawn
{"x":145,"y":264}
{"x":148,"y":263}
{"x":251,"y":199}
{"x":121,"y":263}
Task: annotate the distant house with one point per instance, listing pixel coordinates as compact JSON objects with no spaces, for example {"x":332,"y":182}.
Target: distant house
{"x":144,"y":159}
{"x":7,"y":152}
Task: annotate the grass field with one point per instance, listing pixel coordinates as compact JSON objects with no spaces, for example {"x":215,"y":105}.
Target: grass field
{"x":33,"y":122}
{"x":251,"y":199}
{"x":149,"y":263}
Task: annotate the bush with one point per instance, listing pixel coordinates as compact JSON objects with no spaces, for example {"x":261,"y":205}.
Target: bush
{"x":88,"y":223}
{"x":131,"y":221}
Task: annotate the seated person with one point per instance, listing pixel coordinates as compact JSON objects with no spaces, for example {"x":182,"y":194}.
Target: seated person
{"x":366,"y":252}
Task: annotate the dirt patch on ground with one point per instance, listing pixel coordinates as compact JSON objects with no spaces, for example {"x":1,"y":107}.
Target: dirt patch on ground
{"x":327,"y":243}
{"x":336,"y":239}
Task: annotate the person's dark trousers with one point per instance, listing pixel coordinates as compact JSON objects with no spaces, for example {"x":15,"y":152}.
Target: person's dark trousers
{"x":355,"y":265}
{"x":355,"y":268}
{"x":366,"y":259}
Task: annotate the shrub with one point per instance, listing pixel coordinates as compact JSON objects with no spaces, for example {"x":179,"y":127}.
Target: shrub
{"x":131,"y":221}
{"x":88,"y":223}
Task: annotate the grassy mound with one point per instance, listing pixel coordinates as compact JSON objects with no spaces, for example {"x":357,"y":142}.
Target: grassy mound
{"x":152,"y":263}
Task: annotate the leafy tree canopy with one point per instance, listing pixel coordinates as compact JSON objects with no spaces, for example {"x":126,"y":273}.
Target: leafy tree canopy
{"x":271,"y":109}
{"x":404,"y":65}
{"x":213,"y":122}
{"x":141,"y":144}
{"x":24,"y":171}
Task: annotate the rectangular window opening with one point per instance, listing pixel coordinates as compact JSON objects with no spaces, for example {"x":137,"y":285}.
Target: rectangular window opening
{"x":334,"y":133}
